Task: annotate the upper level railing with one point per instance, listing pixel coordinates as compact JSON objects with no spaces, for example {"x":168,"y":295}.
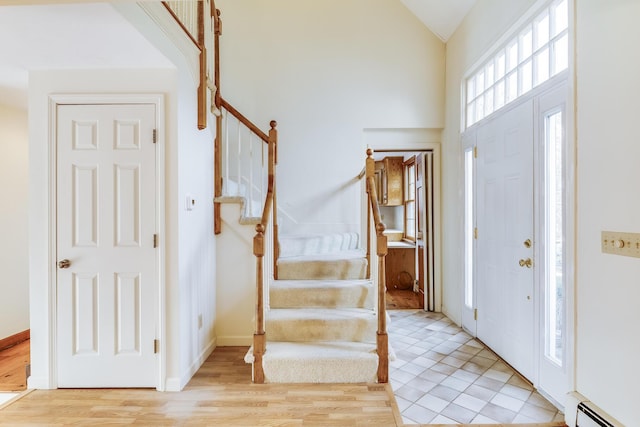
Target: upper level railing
{"x":239,"y":156}
{"x":377,"y":238}
{"x":190,"y":15}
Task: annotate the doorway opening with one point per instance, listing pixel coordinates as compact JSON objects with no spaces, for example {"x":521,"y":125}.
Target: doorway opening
{"x":405,"y":180}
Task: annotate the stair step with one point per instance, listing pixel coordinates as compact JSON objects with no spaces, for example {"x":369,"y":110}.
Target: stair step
{"x":317,"y":324}
{"x":345,"y":265}
{"x":320,"y":362}
{"x":321,"y":293}
{"x":296,"y":245}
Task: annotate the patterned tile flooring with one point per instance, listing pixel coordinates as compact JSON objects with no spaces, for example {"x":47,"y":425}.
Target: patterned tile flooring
{"x":442,"y":375}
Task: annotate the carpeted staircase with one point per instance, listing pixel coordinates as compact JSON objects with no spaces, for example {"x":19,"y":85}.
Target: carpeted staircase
{"x":321,"y":324}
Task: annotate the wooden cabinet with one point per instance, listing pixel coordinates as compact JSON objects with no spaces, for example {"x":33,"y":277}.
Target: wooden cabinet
{"x":389,"y":180}
{"x":400,"y":267}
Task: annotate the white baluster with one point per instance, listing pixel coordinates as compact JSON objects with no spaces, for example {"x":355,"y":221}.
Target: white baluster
{"x":250,"y":197}
{"x":226,"y":153}
{"x":239,"y":159}
{"x":262,"y":170}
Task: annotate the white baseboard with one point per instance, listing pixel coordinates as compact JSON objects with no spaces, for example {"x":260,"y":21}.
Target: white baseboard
{"x":40,"y":383}
{"x":235,"y":341}
{"x":172,"y":384}
{"x":177,"y":384}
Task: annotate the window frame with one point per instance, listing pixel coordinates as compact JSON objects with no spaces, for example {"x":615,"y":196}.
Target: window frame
{"x":500,"y":79}
{"x":409,"y":197}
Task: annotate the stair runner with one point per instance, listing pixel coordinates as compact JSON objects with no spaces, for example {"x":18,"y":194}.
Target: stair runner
{"x":321,"y":324}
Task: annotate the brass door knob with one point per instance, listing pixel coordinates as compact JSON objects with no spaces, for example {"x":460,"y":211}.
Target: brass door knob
{"x":65,"y":263}
{"x":527,"y":243}
{"x":525,"y":263}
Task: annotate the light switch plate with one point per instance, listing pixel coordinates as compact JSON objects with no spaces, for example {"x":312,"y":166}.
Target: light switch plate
{"x":190,"y":202}
{"x":620,"y":243}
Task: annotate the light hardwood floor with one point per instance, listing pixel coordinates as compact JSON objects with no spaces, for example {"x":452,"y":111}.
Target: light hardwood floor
{"x":13,"y":362}
{"x":220,"y":394}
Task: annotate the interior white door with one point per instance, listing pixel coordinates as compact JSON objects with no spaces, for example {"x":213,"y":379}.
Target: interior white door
{"x":505,"y":232}
{"x":107,"y":269}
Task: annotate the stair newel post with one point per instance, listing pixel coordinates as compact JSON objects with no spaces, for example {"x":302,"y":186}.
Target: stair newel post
{"x":202,"y":86}
{"x":259,"y":337}
{"x":273,"y":161}
{"x":382,"y":340}
{"x":382,"y":337}
{"x":217,"y":151}
{"x":370,"y":170}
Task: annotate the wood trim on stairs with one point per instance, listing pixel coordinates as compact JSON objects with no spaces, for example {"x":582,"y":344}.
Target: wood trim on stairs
{"x":14,"y":339}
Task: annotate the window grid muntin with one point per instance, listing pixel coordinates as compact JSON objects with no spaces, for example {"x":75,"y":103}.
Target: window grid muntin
{"x":517,"y":59}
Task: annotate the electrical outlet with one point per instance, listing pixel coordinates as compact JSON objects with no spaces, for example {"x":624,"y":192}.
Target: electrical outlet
{"x":620,"y":243}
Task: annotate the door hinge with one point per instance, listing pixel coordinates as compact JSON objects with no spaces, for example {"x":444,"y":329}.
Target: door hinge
{"x":475,"y":314}
{"x":475,"y":152}
{"x":156,"y":346}
{"x":155,"y":136}
{"x":475,"y":233}
{"x":155,"y":240}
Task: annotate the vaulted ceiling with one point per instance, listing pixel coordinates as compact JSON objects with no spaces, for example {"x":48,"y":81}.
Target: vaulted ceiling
{"x":442,"y":17}
{"x":23,"y":49}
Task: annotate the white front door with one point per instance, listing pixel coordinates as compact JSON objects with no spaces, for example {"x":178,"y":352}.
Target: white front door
{"x":106,"y":221}
{"x":505,"y":286}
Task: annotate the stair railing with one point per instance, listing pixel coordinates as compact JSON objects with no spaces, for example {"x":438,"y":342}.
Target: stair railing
{"x":190,"y":15}
{"x":376,"y":234}
{"x":245,"y":162}
{"x":265,"y":231}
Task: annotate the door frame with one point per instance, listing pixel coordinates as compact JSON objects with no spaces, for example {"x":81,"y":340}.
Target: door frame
{"x":160,"y":291}
{"x":560,"y":82}
{"x":435,"y":148}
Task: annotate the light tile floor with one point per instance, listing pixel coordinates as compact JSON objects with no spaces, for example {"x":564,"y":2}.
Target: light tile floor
{"x":442,"y":375}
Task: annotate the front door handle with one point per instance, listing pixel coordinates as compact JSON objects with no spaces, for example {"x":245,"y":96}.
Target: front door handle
{"x":525,"y":263}
{"x":65,"y":263}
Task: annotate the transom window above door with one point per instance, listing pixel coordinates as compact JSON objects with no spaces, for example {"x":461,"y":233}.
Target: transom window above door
{"x":539,"y":51}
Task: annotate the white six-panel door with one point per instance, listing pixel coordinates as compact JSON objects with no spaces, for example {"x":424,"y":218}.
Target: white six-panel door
{"x":504,"y":259}
{"x":106,"y":221}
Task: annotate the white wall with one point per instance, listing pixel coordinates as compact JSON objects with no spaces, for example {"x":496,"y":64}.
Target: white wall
{"x":189,"y":240}
{"x":607,"y":86}
{"x":608,"y":149}
{"x":14,"y":167}
{"x":197,"y":243}
{"x":236,"y":275}
{"x":327,"y":70}
{"x":482,"y":27}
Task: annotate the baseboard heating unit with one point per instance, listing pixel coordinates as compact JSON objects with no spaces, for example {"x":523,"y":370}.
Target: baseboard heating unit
{"x":580,"y":412}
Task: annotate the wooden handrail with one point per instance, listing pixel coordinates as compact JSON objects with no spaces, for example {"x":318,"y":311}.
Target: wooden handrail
{"x":238,"y":115}
{"x":259,"y":250}
{"x":179,"y":21}
{"x":381,"y":250}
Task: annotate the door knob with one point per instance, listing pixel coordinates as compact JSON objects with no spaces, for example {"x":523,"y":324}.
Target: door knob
{"x":65,"y":263}
{"x":527,"y":243}
{"x":525,"y":263}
